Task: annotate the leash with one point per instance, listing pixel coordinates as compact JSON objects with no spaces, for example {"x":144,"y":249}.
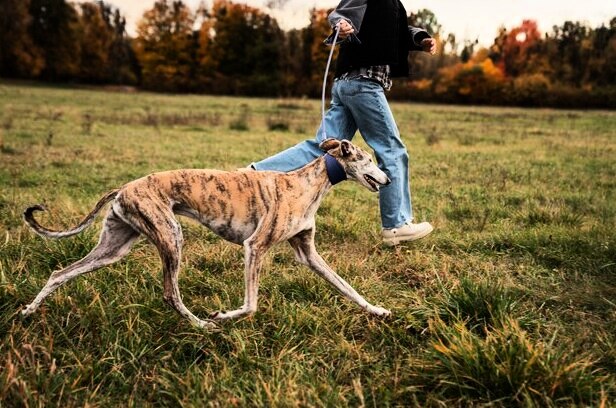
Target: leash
{"x":335,"y":171}
{"x":329,"y":61}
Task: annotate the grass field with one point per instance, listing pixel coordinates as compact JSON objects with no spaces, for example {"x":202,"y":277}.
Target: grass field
{"x":510,"y":302}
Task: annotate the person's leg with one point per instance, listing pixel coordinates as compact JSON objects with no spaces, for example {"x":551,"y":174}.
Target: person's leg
{"x":339,"y":124}
{"x":366,"y":101}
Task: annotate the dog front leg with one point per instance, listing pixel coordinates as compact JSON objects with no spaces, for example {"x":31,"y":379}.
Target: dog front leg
{"x":253,"y":257}
{"x":303,"y":244}
{"x":318,"y":265}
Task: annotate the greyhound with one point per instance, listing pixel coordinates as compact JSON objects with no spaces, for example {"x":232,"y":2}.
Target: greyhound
{"x":256,"y":209}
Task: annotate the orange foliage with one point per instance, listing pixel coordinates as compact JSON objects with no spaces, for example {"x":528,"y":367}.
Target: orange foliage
{"x":475,"y":79}
{"x":519,"y":51}
{"x":163,"y":45}
{"x":320,"y":30}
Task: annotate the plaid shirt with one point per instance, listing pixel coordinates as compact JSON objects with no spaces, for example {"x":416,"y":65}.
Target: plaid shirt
{"x":377,"y":73}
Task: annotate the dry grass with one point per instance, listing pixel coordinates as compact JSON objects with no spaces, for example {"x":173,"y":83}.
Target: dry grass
{"x":512,"y":300}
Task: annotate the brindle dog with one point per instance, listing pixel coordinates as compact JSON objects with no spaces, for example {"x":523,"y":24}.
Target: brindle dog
{"x":256,"y":209}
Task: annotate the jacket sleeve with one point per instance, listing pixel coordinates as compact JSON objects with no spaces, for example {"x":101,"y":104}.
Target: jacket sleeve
{"x":417,"y":34}
{"x":350,"y":10}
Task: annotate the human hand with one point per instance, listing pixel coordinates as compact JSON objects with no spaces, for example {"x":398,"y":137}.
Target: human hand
{"x":344,"y":29}
{"x":429,"y":45}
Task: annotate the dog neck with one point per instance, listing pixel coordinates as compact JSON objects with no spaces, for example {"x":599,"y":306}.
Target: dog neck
{"x":313,"y":180}
{"x":335,"y":171}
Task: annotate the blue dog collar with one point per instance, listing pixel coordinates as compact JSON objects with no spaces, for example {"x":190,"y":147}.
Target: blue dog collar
{"x":335,"y":171}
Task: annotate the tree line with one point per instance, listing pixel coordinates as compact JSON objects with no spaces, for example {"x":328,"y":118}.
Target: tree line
{"x":234,"y":49}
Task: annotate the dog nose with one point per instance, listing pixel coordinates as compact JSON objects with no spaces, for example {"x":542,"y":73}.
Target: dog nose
{"x":388,"y":182}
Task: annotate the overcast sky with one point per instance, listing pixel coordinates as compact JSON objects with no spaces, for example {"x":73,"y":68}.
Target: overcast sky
{"x":467,"y":19}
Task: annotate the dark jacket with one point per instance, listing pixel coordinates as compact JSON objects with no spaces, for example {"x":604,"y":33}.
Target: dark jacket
{"x":383,"y":36}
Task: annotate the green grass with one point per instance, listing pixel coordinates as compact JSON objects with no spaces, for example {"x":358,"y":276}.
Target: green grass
{"x":510,"y":302}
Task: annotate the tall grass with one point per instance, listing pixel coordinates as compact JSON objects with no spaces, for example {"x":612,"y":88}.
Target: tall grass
{"x":505,"y":365}
{"x":510,"y":302}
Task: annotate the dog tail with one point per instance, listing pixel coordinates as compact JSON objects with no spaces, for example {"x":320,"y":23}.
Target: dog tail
{"x":48,"y":233}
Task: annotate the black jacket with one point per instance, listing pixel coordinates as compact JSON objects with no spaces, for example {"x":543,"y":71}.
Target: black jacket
{"x":383,"y":36}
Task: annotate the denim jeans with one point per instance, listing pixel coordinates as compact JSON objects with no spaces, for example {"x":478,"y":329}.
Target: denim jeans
{"x":359,"y":103}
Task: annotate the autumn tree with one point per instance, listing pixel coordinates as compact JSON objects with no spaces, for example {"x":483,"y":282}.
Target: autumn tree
{"x":424,"y":66}
{"x":292,"y":64}
{"x":521,"y":50}
{"x":123,"y":67}
{"x":476,"y":81}
{"x":240,"y":50}
{"x":96,"y":38}
{"x":319,"y":31}
{"x":164,"y":46}
{"x":19,"y":56}
{"x":56,"y":31}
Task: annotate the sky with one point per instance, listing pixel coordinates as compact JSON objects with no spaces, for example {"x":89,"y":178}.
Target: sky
{"x":467,"y":19}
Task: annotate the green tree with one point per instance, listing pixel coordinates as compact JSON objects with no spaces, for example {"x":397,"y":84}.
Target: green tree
{"x":573,"y":51}
{"x":602,"y":63}
{"x":427,"y":20}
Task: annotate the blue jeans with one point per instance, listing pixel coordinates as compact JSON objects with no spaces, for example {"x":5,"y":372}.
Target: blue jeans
{"x":358,"y":103}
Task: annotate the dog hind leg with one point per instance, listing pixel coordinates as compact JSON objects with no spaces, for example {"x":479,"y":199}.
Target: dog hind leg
{"x":167,"y":237}
{"x":305,"y":251}
{"x":114,"y":243}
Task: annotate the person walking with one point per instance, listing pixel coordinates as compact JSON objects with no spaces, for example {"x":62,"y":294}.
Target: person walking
{"x":375,"y":40}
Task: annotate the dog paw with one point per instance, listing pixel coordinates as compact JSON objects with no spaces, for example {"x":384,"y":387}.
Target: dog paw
{"x":217,"y":314}
{"x":26,"y":311}
{"x":379,"y":311}
{"x":206,"y":324}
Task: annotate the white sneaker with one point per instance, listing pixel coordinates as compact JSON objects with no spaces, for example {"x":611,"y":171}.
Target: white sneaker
{"x":407,"y":232}
{"x":250,"y":167}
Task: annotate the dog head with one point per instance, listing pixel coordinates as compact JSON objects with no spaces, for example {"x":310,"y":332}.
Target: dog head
{"x":357,"y":163}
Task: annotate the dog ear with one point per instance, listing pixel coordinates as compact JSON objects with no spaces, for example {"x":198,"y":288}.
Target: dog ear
{"x":329,"y":144}
{"x":346,"y":147}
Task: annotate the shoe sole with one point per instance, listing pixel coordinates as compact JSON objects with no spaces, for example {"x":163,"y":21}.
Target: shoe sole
{"x":396,"y":240}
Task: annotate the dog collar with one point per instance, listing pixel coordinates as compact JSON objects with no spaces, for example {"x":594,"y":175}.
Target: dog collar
{"x":335,"y":171}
